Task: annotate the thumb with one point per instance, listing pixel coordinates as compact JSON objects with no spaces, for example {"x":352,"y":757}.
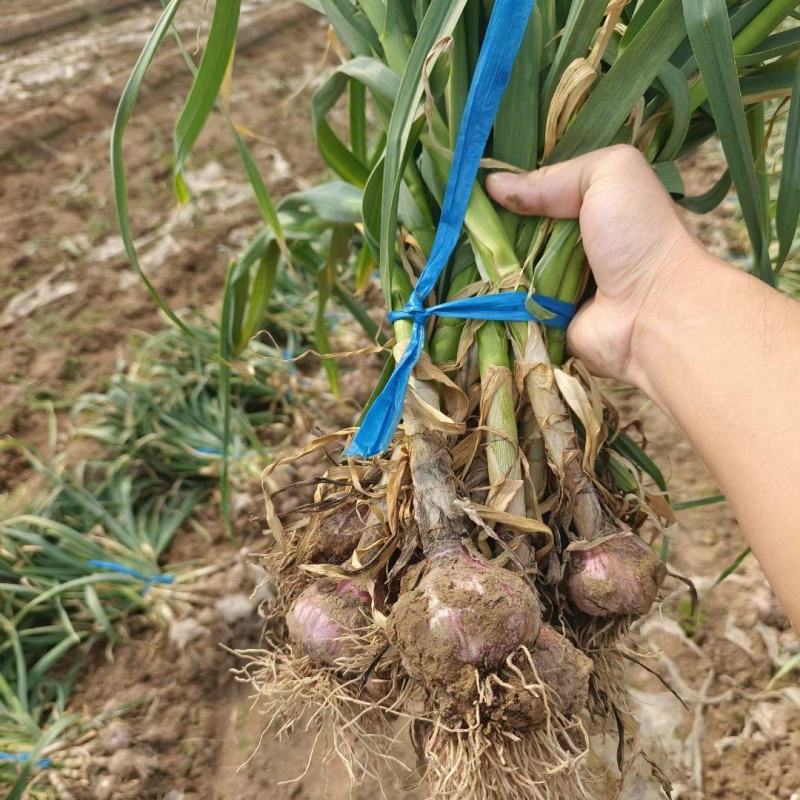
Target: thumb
{"x":558,"y":190}
{"x":599,"y":335}
{"x":580,"y":333}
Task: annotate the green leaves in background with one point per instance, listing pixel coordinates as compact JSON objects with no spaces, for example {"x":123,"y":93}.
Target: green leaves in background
{"x":790,"y":666}
{"x":351,"y":26}
{"x":439,"y":21}
{"x":616,"y":93}
{"x":252,"y":294}
{"x":671,"y":80}
{"x":623,"y":444}
{"x":732,"y":567}
{"x":341,"y":238}
{"x":246,"y":293}
{"x":357,"y":111}
{"x":262,"y":196}
{"x":350,"y":162}
{"x":324,"y":205}
{"x":573,"y":42}
{"x":708,"y":201}
{"x":516,"y":134}
{"x":788,"y":210}
{"x":217,"y":55}
{"x":686,"y":505}
{"x":123,"y":116}
{"x":202,"y":97}
{"x":265,"y":203}
{"x":709,"y":32}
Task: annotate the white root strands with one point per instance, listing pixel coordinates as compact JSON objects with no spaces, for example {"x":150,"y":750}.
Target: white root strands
{"x":475,"y":763}
{"x":354,"y":723}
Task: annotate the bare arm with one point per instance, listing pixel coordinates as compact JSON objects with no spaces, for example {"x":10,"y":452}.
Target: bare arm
{"x":715,"y":348}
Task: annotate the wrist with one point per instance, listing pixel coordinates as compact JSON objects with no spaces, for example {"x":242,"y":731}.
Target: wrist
{"x":678,"y":296}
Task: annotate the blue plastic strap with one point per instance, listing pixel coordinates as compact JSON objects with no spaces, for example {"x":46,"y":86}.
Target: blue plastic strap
{"x":492,"y":72}
{"x":23,"y":758}
{"x":506,"y":307}
{"x":123,"y":569}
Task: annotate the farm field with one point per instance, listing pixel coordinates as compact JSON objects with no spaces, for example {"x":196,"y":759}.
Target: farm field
{"x":169,"y":721}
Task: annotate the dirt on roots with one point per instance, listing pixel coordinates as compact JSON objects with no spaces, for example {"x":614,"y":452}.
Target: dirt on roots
{"x":464,"y":615}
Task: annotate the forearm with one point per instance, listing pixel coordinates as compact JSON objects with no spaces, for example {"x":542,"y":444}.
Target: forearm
{"x":720,"y":353}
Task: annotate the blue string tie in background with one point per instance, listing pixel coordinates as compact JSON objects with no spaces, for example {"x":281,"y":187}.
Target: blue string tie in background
{"x":148,"y":580}
{"x":492,"y":72}
{"x":24,"y":758}
{"x":208,"y":451}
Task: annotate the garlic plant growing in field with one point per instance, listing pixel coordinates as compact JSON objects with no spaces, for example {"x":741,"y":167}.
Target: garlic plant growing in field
{"x":474,"y":581}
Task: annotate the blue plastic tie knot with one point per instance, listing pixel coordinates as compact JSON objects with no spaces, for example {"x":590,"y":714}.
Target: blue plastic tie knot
{"x":419,"y":316}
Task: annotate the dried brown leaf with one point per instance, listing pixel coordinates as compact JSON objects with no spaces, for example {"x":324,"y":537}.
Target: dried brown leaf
{"x":572,"y":90}
{"x":432,"y":418}
{"x":576,"y":398}
{"x":320,"y":443}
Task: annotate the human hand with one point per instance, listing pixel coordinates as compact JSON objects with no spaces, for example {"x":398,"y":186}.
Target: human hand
{"x":634,"y":240}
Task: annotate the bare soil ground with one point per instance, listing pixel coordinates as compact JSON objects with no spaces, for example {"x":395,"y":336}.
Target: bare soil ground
{"x":68,"y":303}
{"x":67,"y":295}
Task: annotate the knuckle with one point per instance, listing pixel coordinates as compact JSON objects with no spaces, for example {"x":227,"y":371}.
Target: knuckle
{"x":627,"y":155}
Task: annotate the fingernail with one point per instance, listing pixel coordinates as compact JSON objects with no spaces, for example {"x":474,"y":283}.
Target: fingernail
{"x":500,"y":181}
